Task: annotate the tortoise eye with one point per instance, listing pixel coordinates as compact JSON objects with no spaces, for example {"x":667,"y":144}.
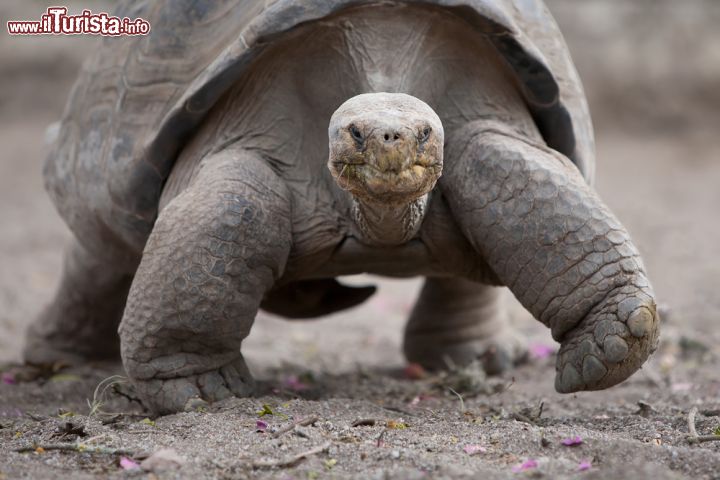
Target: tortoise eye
{"x":357,"y":136}
{"x":425,"y":134}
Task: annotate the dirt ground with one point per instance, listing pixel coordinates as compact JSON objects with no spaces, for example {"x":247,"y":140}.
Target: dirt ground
{"x":651,"y":70}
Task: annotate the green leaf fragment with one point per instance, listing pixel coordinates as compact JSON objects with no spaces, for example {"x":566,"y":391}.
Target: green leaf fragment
{"x":392,"y":424}
{"x":266,"y":410}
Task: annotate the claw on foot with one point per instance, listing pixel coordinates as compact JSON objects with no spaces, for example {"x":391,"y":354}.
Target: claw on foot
{"x":608,"y":346}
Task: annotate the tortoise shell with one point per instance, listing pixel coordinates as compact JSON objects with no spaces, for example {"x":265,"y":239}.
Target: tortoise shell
{"x":138,"y":99}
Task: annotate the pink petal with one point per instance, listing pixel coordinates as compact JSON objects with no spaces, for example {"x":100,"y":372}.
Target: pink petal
{"x":295,"y":384}
{"x":585,"y":465}
{"x":539,"y":351}
{"x":414,"y":371}
{"x":261,"y":426}
{"x":8,"y":378}
{"x":526,"y":465}
{"x":572,"y":441}
{"x":128,"y":464}
{"x":473,"y":449}
{"x":681,"y":386}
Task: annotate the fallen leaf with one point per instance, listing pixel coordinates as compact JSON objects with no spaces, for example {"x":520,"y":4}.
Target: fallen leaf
{"x":163,"y":459}
{"x":147,"y":421}
{"x":330,"y":463}
{"x":528,"y":464}
{"x":393,"y":425}
{"x":266,"y":410}
{"x":584,"y":465}
{"x":572,"y":441}
{"x":128,"y":464}
{"x":39,"y":450}
{"x":473,"y":449}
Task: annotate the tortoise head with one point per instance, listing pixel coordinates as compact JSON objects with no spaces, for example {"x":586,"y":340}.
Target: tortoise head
{"x":386,"y":147}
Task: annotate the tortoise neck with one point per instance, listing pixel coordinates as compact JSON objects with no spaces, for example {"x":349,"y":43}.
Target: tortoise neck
{"x":386,"y":224}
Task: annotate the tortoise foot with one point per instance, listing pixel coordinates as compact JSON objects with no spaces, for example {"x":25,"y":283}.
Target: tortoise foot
{"x":497,"y":353}
{"x":187,"y":393}
{"x":609,"y":346}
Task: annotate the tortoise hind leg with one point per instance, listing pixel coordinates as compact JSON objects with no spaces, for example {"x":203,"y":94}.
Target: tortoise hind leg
{"x":456,"y":321}
{"x":82,"y":320}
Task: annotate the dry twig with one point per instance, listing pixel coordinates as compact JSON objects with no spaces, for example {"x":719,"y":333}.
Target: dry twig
{"x":291,"y":427}
{"x":694,"y":437}
{"x":462,"y":402}
{"x":76,"y":447}
{"x":290,"y":461}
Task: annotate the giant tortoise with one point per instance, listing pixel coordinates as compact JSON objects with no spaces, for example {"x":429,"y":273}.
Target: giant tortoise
{"x":246,"y":153}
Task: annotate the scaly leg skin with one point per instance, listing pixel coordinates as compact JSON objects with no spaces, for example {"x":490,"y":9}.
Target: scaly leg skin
{"x":213,"y":253}
{"x":81,"y":322}
{"x":456,"y":321}
{"x":547,"y":235}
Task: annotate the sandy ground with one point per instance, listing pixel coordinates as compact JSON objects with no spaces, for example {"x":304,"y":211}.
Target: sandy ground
{"x":658,"y":168}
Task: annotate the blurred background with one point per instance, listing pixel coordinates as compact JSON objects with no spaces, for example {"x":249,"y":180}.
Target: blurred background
{"x":651,"y":69}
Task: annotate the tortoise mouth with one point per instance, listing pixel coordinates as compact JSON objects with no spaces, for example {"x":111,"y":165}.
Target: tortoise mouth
{"x":368,"y":181}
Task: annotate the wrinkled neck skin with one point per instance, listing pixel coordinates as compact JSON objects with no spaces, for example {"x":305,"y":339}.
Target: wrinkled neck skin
{"x":387,"y":224}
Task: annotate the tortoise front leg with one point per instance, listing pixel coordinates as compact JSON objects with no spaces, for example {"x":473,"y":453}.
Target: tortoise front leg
{"x":213,"y":253}
{"x":550,"y":239}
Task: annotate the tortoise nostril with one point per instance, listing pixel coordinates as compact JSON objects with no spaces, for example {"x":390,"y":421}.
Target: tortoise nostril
{"x":391,"y":136}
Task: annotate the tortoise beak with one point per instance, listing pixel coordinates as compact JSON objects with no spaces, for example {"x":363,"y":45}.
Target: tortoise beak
{"x":394,"y":166}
